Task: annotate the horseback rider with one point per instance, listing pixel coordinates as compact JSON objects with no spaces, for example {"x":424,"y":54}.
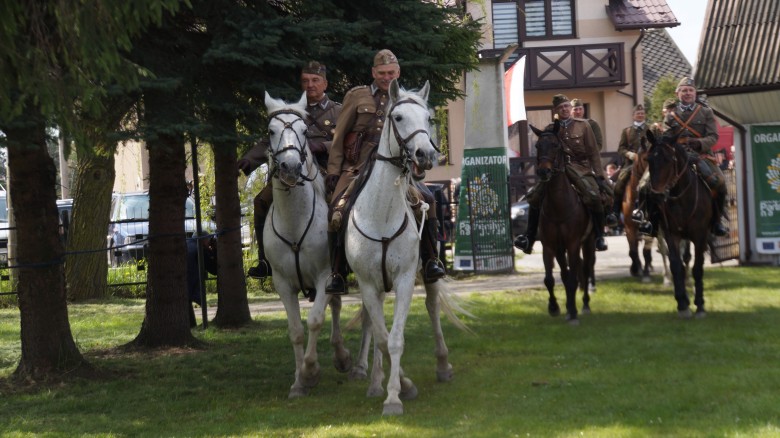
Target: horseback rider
{"x":578,"y":112}
{"x":630,"y":142}
{"x":693,"y":124}
{"x":356,"y":136}
{"x":584,"y":170}
{"x":321,"y":115}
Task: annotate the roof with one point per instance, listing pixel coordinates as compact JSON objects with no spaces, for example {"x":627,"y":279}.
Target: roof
{"x":660,"y":58}
{"x":739,"y":47}
{"x":640,"y":14}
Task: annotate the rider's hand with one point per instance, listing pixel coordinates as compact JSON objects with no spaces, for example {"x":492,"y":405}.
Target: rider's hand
{"x":631,"y":156}
{"x":244,"y":166}
{"x":330,"y":182}
{"x":694,"y":144}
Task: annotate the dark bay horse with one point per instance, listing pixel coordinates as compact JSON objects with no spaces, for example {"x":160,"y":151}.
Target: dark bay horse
{"x":565,"y":228}
{"x":631,"y":228}
{"x":685,"y":204}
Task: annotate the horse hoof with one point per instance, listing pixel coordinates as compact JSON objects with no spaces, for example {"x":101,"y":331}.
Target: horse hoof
{"x":646,"y":279}
{"x":312,"y":380}
{"x":586,"y":310}
{"x":701,"y":313}
{"x":374,"y":392}
{"x":344,"y":364}
{"x":553,"y":309}
{"x":358,"y":374}
{"x":685,"y":314}
{"x":393,"y":409}
{"x":408,"y":393}
{"x":574,"y":322}
{"x":446,"y":375}
{"x":297,"y":392}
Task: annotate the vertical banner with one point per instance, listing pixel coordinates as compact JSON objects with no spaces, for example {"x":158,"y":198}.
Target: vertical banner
{"x":514,"y":92}
{"x":766,"y":186}
{"x":483,"y":239}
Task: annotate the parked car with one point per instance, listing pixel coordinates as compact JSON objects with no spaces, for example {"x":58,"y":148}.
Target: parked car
{"x":65,"y":209}
{"x":128,"y":231}
{"x":519,"y":215}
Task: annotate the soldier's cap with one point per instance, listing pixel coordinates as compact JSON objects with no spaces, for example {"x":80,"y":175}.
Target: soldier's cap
{"x":315,"y":68}
{"x":639,"y":107}
{"x":576,"y":102}
{"x":686,"y":82}
{"x":670,"y":103}
{"x":559,"y":99}
{"x":384,"y":57}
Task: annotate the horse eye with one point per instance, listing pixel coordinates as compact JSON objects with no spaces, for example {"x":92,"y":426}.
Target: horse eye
{"x":398,"y":118}
{"x":271,"y":133}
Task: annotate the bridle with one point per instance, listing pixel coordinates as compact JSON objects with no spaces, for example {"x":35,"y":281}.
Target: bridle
{"x":302,"y":151}
{"x":405,"y":158}
{"x":679,"y":171}
{"x":556,"y":162}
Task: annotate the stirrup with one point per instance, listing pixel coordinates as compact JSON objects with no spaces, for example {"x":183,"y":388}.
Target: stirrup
{"x":601,"y":244}
{"x":638,"y":216}
{"x":336,"y":285}
{"x":434,"y":270}
{"x":645,"y":228}
{"x":262,"y":270}
{"x":720,"y":230}
{"x":611,"y":220}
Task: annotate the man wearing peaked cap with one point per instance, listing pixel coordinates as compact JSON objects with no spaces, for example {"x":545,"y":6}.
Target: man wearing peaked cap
{"x":357,"y":134}
{"x":578,"y":111}
{"x":630,"y":142}
{"x":584,"y":169}
{"x":321,"y":115}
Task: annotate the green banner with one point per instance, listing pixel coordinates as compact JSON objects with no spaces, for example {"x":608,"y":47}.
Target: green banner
{"x":766,"y":186}
{"x":483,"y":239}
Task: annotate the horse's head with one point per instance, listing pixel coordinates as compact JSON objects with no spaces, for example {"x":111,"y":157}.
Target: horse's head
{"x":548,"y":151}
{"x":288,"y":151}
{"x":666,"y":161}
{"x":409,"y":120}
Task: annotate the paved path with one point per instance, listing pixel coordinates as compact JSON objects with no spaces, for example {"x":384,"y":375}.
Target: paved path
{"x":613,"y":263}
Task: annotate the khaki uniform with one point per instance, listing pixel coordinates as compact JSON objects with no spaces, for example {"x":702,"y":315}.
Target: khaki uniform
{"x":357,"y":132}
{"x":597,"y":133}
{"x":698,"y":122}
{"x":321,"y":122}
{"x":630,"y":142}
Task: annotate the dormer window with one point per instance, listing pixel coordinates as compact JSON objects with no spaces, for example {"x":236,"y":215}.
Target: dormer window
{"x":528,"y":20}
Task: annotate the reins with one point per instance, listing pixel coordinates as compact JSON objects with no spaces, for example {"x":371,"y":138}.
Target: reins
{"x":301,"y":151}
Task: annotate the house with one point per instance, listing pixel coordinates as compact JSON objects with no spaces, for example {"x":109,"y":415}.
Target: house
{"x":587,"y":49}
{"x":737,"y":71}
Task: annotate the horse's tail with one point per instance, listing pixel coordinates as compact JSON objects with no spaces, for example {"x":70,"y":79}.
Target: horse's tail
{"x":451,"y":305}
{"x":356,"y":320}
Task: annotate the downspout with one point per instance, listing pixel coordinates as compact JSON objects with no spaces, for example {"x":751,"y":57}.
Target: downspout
{"x":634,"y":89}
{"x":745,"y":207}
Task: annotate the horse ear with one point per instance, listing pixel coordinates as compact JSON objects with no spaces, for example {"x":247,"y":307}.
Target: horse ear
{"x":270,"y":103}
{"x":425,"y":90}
{"x":650,"y":136}
{"x":303,"y":101}
{"x":536,"y":130}
{"x":556,"y":125}
{"x":394,"y":90}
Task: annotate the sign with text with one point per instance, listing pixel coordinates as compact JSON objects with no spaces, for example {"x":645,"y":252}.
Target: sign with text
{"x":766,"y":185}
{"x":483,"y":240}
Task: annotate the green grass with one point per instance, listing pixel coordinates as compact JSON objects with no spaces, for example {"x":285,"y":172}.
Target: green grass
{"x":632,"y":368}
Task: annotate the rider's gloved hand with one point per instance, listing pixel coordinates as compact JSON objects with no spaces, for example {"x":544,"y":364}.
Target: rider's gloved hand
{"x":244,"y":166}
{"x":330,"y":182}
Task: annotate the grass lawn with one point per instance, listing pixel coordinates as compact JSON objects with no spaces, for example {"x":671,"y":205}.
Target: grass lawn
{"x":632,"y":368}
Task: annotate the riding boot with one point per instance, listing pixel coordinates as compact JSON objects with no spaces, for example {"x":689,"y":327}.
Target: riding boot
{"x":525,"y":242}
{"x":433,"y":269}
{"x":617,"y":207}
{"x":598,"y":225}
{"x":720,"y":213}
{"x":337,"y":284}
{"x":263,"y":268}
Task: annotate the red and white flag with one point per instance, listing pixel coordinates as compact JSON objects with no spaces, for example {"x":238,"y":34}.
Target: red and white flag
{"x":514,"y":92}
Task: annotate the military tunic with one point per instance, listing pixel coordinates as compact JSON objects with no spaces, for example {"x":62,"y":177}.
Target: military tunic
{"x":321,"y":122}
{"x":698,"y":122}
{"x":357,"y":132}
{"x":630,"y":142}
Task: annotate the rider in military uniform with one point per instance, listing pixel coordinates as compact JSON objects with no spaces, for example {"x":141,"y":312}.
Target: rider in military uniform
{"x":321,"y":115}
{"x":578,"y":112}
{"x":694,"y":126}
{"x":583,"y":169}
{"x":354,"y":142}
{"x":630,"y":142}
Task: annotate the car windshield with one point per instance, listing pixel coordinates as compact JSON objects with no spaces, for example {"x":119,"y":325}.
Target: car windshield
{"x":134,"y":207}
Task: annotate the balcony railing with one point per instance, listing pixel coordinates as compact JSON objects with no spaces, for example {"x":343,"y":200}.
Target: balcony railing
{"x":592,"y":65}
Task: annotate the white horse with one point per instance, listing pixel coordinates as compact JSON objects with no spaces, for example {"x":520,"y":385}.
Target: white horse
{"x":296,"y":243}
{"x":382,"y":242}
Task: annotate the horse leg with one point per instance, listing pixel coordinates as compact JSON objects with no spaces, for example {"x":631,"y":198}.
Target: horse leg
{"x":570,"y":282}
{"x":373,"y":304}
{"x":360,"y":371}
{"x":647,"y":253}
{"x":296,"y":334}
{"x":663,"y":249}
{"x":432,"y":303}
{"x":678,"y":275}
{"x":310,"y":370}
{"x":588,"y":271}
{"x":549,"y":282}
{"x":395,"y":347}
{"x":698,"y":278}
{"x":342,"y":359}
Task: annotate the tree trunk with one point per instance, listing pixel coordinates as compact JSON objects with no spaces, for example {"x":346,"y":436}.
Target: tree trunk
{"x":233,"y":306}
{"x":48,"y":348}
{"x":166,"y":322}
{"x":86,"y":272}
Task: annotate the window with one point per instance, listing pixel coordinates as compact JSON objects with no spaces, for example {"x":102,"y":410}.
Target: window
{"x":524,"y":20}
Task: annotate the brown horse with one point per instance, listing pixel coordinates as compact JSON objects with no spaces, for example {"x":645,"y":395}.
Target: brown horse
{"x":631,"y":228}
{"x":685,"y":206}
{"x":565,"y":228}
